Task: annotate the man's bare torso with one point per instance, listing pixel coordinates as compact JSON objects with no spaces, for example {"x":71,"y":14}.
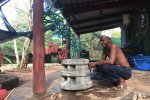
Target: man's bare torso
{"x":120,"y":57}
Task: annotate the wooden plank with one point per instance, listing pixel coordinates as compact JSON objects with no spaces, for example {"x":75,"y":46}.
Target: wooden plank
{"x":101,"y":24}
{"x":98,"y":18}
{"x":69,"y":10}
{"x":110,"y":26}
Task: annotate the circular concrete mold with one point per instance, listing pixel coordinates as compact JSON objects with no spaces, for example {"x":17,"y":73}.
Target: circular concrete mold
{"x":9,"y":81}
{"x":75,"y":75}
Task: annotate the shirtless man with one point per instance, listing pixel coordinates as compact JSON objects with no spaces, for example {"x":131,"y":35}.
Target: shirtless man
{"x":116,"y":67}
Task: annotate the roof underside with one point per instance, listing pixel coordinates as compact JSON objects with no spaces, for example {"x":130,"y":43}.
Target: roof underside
{"x":95,"y":15}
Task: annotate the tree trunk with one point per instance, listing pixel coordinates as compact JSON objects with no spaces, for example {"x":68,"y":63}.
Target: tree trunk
{"x":24,"y":61}
{"x":16,"y":52}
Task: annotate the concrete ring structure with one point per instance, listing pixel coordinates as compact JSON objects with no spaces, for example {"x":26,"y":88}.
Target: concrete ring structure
{"x":76,"y":75}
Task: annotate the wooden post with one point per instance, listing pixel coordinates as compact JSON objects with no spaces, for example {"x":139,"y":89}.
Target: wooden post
{"x":38,"y":54}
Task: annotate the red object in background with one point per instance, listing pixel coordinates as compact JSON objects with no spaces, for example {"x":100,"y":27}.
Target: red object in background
{"x":2,"y":54}
{"x":3,"y":93}
{"x":62,"y":57}
{"x":47,"y":51}
{"x":52,"y":49}
{"x":65,"y":57}
{"x":59,"y":53}
{"x":57,"y":45}
{"x":62,"y":54}
{"x":56,"y":48}
{"x":59,"y":57}
{"x":50,"y":44}
{"x":64,"y":50}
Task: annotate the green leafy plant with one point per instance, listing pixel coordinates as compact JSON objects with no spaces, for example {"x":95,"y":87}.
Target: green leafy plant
{"x":8,"y":60}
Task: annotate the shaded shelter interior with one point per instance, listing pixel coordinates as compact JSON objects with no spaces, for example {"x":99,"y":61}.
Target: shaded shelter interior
{"x":132,"y":16}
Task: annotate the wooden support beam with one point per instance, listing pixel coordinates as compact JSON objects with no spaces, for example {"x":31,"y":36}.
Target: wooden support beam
{"x":102,"y":17}
{"x":38,"y":54}
{"x":103,"y":23}
{"x":64,"y":4}
{"x":99,"y":28}
{"x":126,"y":3}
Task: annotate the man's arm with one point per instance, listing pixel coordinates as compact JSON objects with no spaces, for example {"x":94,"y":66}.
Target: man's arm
{"x":111,"y":60}
{"x":103,"y":58}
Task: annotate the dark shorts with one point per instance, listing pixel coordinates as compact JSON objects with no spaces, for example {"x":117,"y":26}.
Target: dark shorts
{"x":114,"y":72}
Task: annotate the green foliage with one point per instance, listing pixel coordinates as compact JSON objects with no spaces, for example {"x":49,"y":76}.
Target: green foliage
{"x":47,"y":37}
{"x":20,"y":43}
{"x":54,"y":21}
{"x":20,"y":23}
{"x":90,"y":42}
{"x":58,"y":41}
{"x":74,"y":47}
{"x":53,"y":32}
{"x":89,"y":39}
{"x":60,"y":30}
{"x":116,"y":33}
{"x":117,"y":41}
{"x":7,"y":48}
{"x":8,"y":60}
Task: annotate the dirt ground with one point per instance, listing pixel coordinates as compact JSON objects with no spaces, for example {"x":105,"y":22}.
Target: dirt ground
{"x":136,"y":86}
{"x":26,"y":75}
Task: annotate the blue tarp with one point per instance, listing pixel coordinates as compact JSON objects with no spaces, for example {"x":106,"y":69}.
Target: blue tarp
{"x":141,"y":62}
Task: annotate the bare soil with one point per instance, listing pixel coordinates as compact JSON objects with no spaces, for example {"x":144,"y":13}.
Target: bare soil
{"x":27,"y":75}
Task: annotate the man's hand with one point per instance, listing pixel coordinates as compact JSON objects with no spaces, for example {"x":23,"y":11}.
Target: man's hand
{"x":91,"y":65}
